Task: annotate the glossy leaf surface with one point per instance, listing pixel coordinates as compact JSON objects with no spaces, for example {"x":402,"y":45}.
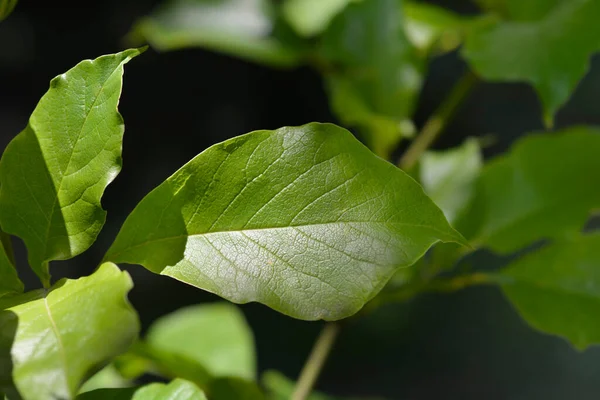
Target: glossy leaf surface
{"x":557,"y":289}
{"x":243,"y":28}
{"x":433,"y":28}
{"x":178,"y":389}
{"x":545,"y":187}
{"x":378,"y":73}
{"x":54,"y":172}
{"x":215,"y":336}
{"x":303,"y":219}
{"x":546,"y":43}
{"x":51,"y":341}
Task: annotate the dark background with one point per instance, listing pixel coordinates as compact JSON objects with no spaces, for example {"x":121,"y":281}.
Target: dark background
{"x":467,"y":345}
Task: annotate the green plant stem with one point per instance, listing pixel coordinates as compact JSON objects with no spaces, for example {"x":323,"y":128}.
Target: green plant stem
{"x":316,"y":360}
{"x":438,"y":121}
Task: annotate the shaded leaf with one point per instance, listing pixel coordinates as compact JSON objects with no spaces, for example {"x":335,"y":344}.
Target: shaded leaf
{"x":6,"y":8}
{"x":303,"y":219}
{"x":546,"y":43}
{"x":376,"y":71}
{"x":9,"y":280}
{"x":178,"y":389}
{"x":557,"y":289}
{"x":234,"y":388}
{"x":243,"y":28}
{"x":54,"y":172}
{"x":543,"y":188}
{"x":215,"y":336}
{"x":53,"y":340}
{"x":449,"y":177}
{"x":311,"y":17}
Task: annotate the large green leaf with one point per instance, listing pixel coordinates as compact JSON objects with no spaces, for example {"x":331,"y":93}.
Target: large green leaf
{"x":9,"y":281}
{"x":449,"y":177}
{"x":52,"y":340}
{"x":303,"y":219}
{"x":215,"y":336}
{"x":378,"y":73}
{"x":54,"y":172}
{"x":178,"y":389}
{"x":311,"y":17}
{"x":545,"y":187}
{"x":6,"y":7}
{"x":243,"y":28}
{"x":557,"y":289}
{"x":547,"y":43}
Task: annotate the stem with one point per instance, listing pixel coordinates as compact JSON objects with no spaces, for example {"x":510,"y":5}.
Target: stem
{"x":438,"y":121}
{"x":316,"y":359}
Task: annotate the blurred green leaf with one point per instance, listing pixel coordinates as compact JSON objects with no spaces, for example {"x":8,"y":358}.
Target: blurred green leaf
{"x":107,"y":378}
{"x":10,"y":283}
{"x":376,"y":74}
{"x":557,"y":289}
{"x":52,"y":340}
{"x":449,"y":177}
{"x":54,"y":172}
{"x":243,"y":28}
{"x":215,"y":336}
{"x":311,"y":17}
{"x":6,"y":8}
{"x":234,"y":388}
{"x":433,"y":28}
{"x":303,"y":219}
{"x":178,"y":389}
{"x":546,"y":43}
{"x":543,"y":188}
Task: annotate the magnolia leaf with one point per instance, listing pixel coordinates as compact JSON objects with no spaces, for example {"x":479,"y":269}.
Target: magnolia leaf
{"x":54,"y":172}
{"x":557,"y":289}
{"x":303,"y":219}
{"x":215,"y":336}
{"x":9,"y":281}
{"x":178,"y":389}
{"x":311,"y":17}
{"x":52,"y":340}
{"x":243,"y":28}
{"x":542,"y":188}
{"x":546,"y":43}
{"x":378,"y":71}
{"x":6,"y":7}
{"x":107,"y":378}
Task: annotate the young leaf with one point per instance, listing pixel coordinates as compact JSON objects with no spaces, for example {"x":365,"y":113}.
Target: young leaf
{"x":449,"y":177}
{"x":178,"y":389}
{"x":545,"y":43}
{"x":54,"y":172}
{"x":543,"y":188}
{"x":303,"y":219}
{"x":216,"y":336}
{"x":379,"y":71}
{"x":557,"y":289}
{"x":243,"y":28}
{"x":311,"y":17}
{"x":107,"y":378}
{"x":52,"y":340}
{"x":9,"y":281}
{"x":6,"y":7}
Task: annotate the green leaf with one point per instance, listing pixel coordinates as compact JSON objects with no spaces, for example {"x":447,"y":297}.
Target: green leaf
{"x":303,"y":219}
{"x":178,"y":389}
{"x":546,"y":43}
{"x":430,"y":27}
{"x":557,"y":289}
{"x":543,"y":188}
{"x":10,"y":283}
{"x":53,"y":340}
{"x":243,"y":28}
{"x":107,"y":378}
{"x":311,"y":17}
{"x":377,"y":71}
{"x":6,"y":7}
{"x":215,"y":336}
{"x":449,"y":177}
{"x":54,"y":172}
{"x":234,"y":388}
